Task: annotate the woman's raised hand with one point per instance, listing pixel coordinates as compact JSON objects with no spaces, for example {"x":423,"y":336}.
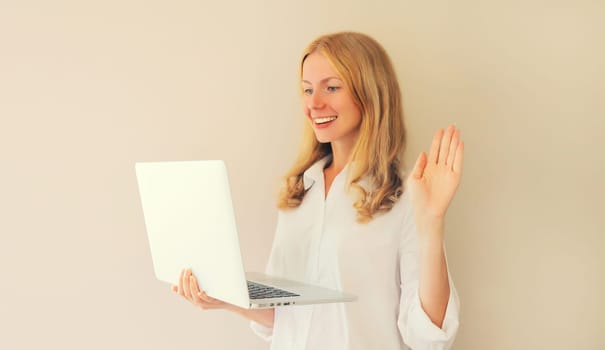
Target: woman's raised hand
{"x":435,"y":178}
{"x":188,"y":289}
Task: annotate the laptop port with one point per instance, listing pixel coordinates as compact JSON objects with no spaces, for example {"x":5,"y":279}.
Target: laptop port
{"x":286,"y":303}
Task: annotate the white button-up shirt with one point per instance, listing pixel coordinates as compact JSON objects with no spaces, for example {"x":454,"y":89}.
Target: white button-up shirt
{"x":321,"y":243}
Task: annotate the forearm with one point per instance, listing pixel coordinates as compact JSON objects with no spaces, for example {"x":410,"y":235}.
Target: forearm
{"x":434,"y":287}
{"x":262,"y":316}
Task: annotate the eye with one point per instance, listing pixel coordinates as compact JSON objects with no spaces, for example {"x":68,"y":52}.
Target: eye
{"x":333,"y":88}
{"x":307,"y":91}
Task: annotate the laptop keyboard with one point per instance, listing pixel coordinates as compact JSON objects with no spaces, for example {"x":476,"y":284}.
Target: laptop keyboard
{"x":261,"y":291}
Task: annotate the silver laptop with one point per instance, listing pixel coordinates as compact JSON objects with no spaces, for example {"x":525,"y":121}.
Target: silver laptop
{"x":190,"y":223}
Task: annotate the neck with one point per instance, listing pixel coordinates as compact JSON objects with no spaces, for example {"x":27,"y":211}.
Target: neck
{"x":341,"y":154}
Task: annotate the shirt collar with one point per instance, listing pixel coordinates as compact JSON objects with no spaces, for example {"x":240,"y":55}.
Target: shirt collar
{"x":315,"y":172}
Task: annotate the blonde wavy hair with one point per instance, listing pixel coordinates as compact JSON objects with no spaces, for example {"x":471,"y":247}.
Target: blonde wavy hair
{"x":364,"y":66}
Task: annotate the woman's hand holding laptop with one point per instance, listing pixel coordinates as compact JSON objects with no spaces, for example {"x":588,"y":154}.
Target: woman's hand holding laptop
{"x":188,"y":289}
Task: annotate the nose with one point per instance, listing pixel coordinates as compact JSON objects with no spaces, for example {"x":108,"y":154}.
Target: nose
{"x":316,"y":101}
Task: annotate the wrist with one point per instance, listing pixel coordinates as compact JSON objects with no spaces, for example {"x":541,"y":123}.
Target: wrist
{"x":431,"y":247}
{"x":430,"y":227}
{"x":236,"y":309}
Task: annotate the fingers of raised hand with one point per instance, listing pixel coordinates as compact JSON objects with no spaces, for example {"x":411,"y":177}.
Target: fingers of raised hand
{"x":446,"y":148}
{"x":418,"y":169}
{"x":457,"y":163}
{"x":434,"y":151}
{"x":453,"y":147}
{"x":444,"y":145}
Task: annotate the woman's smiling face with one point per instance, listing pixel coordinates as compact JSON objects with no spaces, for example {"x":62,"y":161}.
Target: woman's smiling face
{"x":328,"y":102}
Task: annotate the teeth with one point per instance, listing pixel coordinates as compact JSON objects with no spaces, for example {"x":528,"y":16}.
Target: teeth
{"x":324,"y":120}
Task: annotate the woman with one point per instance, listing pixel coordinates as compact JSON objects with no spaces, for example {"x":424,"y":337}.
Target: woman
{"x":346,"y":220}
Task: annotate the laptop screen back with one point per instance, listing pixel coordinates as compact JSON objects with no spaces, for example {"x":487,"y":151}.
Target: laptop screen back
{"x":190,"y":223}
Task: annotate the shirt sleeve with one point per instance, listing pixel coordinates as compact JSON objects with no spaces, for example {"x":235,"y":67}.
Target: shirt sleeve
{"x":416,"y":328}
{"x":265,"y":333}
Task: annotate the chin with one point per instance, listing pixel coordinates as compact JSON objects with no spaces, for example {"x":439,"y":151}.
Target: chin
{"x":323,"y":139}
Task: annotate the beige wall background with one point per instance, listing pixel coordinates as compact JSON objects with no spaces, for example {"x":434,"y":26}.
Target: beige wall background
{"x":88,"y":88}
